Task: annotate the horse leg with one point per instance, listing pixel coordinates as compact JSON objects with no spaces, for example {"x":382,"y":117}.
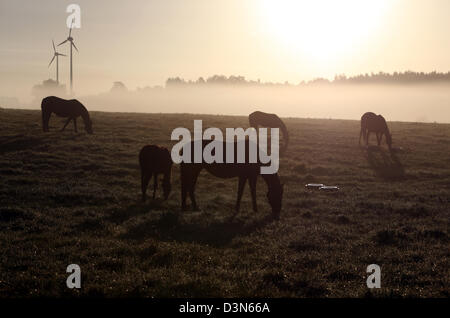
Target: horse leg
{"x":367,"y":138}
{"x":252,"y":183}
{"x":242,"y":181}
{"x":45,"y":120}
{"x":75,"y":124}
{"x":145,"y":178}
{"x":67,"y":122}
{"x":191,"y":190}
{"x":155,"y":184}
{"x":189,"y":174}
{"x":183,"y":177}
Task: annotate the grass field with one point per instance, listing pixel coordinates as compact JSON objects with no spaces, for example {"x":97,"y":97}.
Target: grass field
{"x":75,"y":198}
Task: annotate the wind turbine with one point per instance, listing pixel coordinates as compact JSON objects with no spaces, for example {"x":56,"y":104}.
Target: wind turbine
{"x":70,"y":39}
{"x":56,"y":55}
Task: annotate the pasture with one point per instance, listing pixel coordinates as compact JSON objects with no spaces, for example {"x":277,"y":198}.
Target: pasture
{"x":75,"y":198}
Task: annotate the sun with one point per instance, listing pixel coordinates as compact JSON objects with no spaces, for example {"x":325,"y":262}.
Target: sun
{"x":322,"y":29}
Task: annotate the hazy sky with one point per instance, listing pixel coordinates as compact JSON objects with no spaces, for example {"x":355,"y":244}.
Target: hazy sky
{"x":143,"y":42}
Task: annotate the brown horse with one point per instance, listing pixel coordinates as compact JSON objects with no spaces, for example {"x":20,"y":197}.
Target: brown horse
{"x":377,"y":124}
{"x":244,"y":171}
{"x":70,"y":109}
{"x":262,"y":119}
{"x":154,"y":160}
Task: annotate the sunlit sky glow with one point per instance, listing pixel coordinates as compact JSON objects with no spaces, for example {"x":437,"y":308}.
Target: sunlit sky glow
{"x":143,"y":42}
{"x":323,"y":30}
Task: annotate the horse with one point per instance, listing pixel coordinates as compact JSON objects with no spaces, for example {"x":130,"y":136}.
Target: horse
{"x":154,"y":160}
{"x":243,"y":171}
{"x":262,"y":119}
{"x":70,"y":109}
{"x":371,"y":122}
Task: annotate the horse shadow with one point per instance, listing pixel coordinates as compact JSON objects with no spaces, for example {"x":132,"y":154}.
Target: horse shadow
{"x":387,"y":166}
{"x":133,"y":210}
{"x":172,"y":226}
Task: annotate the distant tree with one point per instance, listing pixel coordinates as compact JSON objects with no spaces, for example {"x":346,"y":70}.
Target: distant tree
{"x":119,"y":87}
{"x":319,"y":81}
{"x":372,"y":78}
{"x":217,"y":79}
{"x":47,"y":88}
{"x":175,"y":81}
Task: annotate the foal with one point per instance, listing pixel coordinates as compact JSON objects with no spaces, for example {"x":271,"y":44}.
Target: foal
{"x":154,"y":160}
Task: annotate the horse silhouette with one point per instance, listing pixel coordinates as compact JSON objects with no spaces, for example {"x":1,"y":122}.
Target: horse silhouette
{"x":262,"y":119}
{"x":154,"y":160}
{"x":371,"y":122}
{"x":70,"y":109}
{"x":244,"y":171}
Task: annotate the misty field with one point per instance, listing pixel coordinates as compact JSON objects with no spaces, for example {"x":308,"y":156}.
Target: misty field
{"x":75,"y":198}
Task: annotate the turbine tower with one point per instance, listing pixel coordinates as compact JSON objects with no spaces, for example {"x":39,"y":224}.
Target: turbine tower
{"x":56,"y":55}
{"x":70,"y":40}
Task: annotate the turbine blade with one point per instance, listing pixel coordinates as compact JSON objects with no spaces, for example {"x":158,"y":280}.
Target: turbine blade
{"x":62,"y":42}
{"x":54,"y":49}
{"x":51,"y":61}
{"x":71,"y":25}
{"x":74,"y":46}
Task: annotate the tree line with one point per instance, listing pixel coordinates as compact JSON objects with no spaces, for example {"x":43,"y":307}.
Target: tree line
{"x":407,"y":77}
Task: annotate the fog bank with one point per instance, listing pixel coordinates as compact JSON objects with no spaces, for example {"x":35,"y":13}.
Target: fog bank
{"x":416,"y":103}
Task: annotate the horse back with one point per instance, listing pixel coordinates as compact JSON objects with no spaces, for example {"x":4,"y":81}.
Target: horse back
{"x":224,"y":169}
{"x":153,"y":158}
{"x":63,"y":107}
{"x":265,"y":119}
{"x":372,"y":122}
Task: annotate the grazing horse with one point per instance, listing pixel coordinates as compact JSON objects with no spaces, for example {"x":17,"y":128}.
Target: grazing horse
{"x":262,"y":119}
{"x":70,"y":109}
{"x":244,"y":171}
{"x":377,"y":124}
{"x":153,"y":161}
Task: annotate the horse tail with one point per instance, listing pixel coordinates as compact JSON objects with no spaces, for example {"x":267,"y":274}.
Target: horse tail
{"x":362,"y":133}
{"x":45,"y":113}
{"x":142,"y":159}
{"x":145,"y":177}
